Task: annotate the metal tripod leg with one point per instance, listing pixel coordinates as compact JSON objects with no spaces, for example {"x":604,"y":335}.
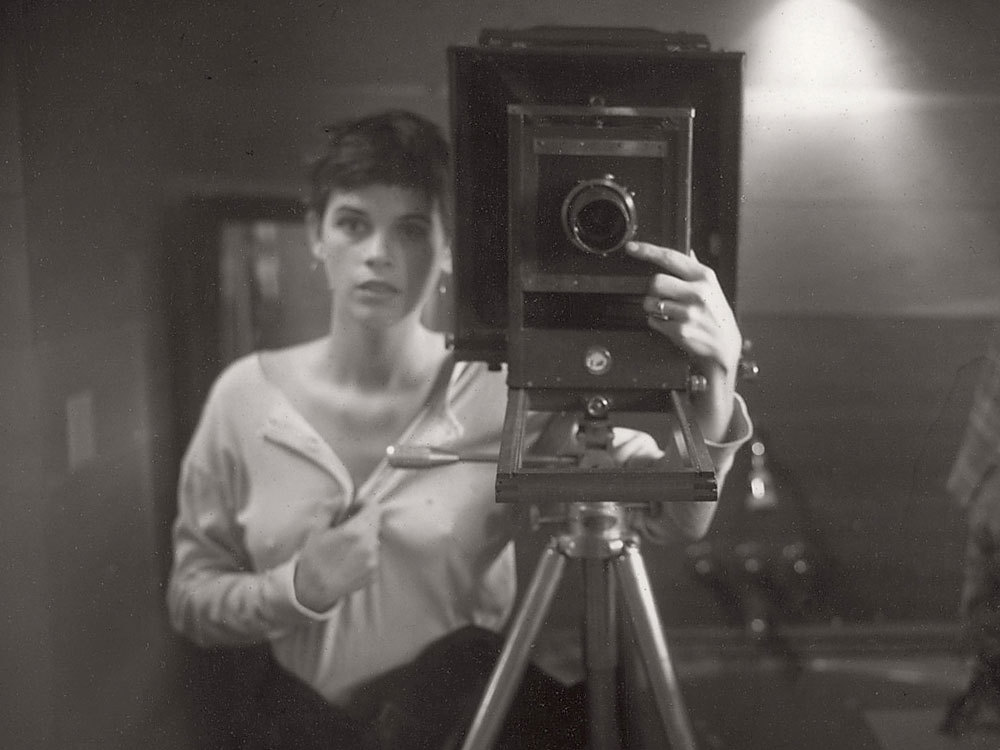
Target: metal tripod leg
{"x":513,"y":659}
{"x":639,"y":602}
{"x":601,"y":654}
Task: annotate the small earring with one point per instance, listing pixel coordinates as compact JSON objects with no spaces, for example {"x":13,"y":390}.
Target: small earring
{"x":315,"y":265}
{"x":444,"y":282}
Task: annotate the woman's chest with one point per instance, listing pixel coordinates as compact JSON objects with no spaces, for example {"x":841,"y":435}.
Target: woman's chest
{"x":444,"y":513}
{"x":358,"y":425}
{"x":359,"y":433}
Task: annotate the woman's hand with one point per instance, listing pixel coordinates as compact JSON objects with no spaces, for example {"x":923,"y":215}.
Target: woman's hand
{"x":338,"y":560}
{"x":686,"y":304}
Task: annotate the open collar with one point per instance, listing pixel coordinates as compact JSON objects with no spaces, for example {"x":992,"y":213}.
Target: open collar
{"x":434,"y":425}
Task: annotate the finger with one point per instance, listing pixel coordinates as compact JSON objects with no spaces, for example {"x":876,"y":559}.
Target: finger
{"x":559,"y":435}
{"x":662,"y":286}
{"x":691,"y":339}
{"x":674,"y":262}
{"x":669,"y":328}
{"x":665,"y":309}
{"x":631,"y":445}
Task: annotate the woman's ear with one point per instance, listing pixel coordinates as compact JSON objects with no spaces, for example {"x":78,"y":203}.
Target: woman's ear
{"x":446,"y":259}
{"x":441,"y":238}
{"x":314,"y":235}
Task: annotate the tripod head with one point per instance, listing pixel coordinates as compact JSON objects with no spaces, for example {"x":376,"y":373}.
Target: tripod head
{"x":685,"y":474}
{"x":581,"y":489}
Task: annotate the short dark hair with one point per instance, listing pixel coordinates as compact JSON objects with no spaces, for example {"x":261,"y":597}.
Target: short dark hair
{"x":396,"y":147}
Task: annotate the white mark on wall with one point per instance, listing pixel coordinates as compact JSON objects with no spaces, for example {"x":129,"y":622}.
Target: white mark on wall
{"x":81,"y":439}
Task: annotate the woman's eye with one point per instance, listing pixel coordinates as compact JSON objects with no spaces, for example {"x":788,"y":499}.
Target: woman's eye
{"x":352,"y":225}
{"x":416,"y":232}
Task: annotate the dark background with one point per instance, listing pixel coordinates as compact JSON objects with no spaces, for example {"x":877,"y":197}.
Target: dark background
{"x":868,"y":273}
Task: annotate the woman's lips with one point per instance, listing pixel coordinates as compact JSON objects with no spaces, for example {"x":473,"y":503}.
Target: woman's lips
{"x":378,"y":287}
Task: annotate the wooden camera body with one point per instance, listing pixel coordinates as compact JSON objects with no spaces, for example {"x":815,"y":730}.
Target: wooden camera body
{"x":569,"y":142}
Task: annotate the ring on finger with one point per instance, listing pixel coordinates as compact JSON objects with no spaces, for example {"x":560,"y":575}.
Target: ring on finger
{"x":661,"y":309}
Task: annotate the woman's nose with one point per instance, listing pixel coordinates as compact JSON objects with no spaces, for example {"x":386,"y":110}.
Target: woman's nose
{"x":379,"y":250}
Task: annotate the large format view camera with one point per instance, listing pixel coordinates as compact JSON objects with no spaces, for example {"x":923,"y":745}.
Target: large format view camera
{"x":569,"y":142}
{"x":585,"y":180}
{"x":536,"y":114}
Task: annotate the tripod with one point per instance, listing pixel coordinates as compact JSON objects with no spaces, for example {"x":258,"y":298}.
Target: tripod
{"x":597,"y":535}
{"x":595,"y":532}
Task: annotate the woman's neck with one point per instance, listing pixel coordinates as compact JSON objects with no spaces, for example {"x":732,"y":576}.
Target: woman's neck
{"x":375,"y":359}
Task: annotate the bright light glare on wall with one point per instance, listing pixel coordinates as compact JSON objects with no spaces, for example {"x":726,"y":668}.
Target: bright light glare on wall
{"x":852,"y":201}
{"x":818,"y":44}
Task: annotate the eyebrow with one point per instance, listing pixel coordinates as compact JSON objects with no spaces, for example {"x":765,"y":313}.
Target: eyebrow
{"x":423,"y":216}
{"x":350,"y":209}
{"x":416,"y":215}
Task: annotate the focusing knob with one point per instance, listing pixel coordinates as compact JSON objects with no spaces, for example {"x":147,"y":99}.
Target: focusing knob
{"x":747,"y":368}
{"x":598,"y":407}
{"x":597,"y":360}
{"x":697,"y":383}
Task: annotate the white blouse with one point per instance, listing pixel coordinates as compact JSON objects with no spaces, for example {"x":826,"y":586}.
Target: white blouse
{"x":257,"y":479}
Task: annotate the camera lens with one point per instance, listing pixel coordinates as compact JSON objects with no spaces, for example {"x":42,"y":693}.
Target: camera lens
{"x":601,"y":225}
{"x":599,"y":216}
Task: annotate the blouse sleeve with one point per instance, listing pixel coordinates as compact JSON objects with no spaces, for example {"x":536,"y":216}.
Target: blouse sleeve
{"x":214,"y":596}
{"x":680,"y":519}
{"x":693,"y":519}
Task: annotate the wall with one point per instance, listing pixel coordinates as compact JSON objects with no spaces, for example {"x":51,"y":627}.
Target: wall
{"x":25,"y":634}
{"x":866,"y":297}
{"x":82,"y":212}
{"x":860,"y":418}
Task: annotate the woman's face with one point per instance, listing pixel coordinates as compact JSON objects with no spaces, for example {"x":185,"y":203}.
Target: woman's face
{"x":382,"y":247}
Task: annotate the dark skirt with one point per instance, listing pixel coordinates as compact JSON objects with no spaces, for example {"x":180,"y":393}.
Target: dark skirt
{"x":425,"y":705}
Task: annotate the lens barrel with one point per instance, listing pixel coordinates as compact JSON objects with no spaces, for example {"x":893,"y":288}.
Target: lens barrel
{"x":599,"y":216}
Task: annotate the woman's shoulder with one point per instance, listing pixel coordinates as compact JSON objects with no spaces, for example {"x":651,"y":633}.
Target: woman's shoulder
{"x":235,"y":400}
{"x":259,"y":366}
{"x":240,"y":374}
{"x":282,"y":367}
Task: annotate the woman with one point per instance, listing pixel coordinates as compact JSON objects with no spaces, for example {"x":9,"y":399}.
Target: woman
{"x":292,"y":530}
